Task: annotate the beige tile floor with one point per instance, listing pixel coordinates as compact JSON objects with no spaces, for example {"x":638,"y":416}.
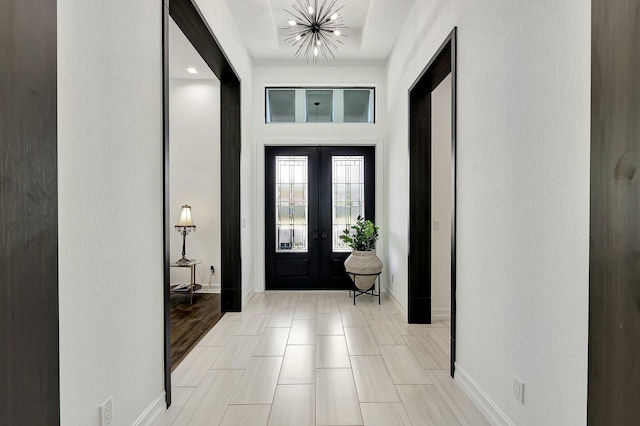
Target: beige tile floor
{"x":312,"y":358}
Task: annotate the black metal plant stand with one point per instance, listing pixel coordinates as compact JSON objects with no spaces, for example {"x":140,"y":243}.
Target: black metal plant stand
{"x":371,"y":290}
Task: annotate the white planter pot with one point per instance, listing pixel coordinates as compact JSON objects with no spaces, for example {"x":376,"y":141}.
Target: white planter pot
{"x":366,"y":263}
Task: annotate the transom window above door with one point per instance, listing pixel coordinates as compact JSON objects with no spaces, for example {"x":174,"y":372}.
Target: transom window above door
{"x":320,"y":105}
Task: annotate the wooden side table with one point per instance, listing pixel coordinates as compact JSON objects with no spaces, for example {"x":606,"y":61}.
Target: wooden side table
{"x":193,"y":286}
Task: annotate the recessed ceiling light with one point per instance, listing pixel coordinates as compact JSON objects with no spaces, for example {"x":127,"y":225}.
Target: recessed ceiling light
{"x":192,"y":70}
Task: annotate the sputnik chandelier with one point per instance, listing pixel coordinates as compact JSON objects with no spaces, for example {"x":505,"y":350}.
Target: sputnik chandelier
{"x":315,"y":30}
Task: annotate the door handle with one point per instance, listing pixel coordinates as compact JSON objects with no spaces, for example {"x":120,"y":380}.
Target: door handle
{"x":315,"y":236}
{"x":324,"y":236}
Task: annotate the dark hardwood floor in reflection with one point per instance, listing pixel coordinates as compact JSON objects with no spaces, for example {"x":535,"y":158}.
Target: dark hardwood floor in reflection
{"x":189,"y":323}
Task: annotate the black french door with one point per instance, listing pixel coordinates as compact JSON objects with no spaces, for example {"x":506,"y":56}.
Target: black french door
{"x":311,"y":195}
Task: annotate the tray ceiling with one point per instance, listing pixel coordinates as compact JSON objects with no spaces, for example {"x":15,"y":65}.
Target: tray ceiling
{"x":374,"y":26}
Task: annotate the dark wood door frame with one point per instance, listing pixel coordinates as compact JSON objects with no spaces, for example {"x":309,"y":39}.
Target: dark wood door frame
{"x":614,"y":252}
{"x":29,"y":310}
{"x":440,"y":66}
{"x":190,"y":20}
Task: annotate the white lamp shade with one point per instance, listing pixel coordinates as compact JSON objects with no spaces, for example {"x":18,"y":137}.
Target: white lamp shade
{"x":185,"y":216}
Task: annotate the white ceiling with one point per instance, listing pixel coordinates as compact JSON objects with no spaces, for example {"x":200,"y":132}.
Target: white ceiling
{"x":183,"y":55}
{"x":374,"y":26}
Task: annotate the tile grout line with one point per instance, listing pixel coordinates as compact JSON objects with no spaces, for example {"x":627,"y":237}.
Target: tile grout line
{"x":261,"y":299}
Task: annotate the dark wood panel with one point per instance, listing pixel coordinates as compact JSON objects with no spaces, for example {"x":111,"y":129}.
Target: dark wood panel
{"x":614,"y":287}
{"x":231,"y":297}
{"x":454,"y":173}
{"x":188,"y":17}
{"x":231,"y":275}
{"x":292,"y":267}
{"x":419,"y":295}
{"x":337,"y":266}
{"x":420,"y":182}
{"x":29,"y":352}
{"x":230,"y":90}
{"x":420,"y":310}
{"x":420,"y":211}
{"x":437,"y":70}
{"x":190,"y":323}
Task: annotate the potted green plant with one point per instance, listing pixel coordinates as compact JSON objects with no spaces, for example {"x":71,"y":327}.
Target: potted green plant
{"x":363,"y":265}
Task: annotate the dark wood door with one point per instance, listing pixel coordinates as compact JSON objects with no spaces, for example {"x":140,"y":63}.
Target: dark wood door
{"x":311,"y":195}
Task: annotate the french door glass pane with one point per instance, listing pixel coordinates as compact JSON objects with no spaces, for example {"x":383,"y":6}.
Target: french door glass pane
{"x":347,"y":201}
{"x":292,"y":204}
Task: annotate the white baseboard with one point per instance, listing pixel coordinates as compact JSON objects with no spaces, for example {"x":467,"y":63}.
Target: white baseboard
{"x":480,"y":399}
{"x":440,"y":314}
{"x":153,"y":411}
{"x":436,"y":314}
{"x":210,"y":289}
{"x":246,"y":298}
{"x":394,"y":299}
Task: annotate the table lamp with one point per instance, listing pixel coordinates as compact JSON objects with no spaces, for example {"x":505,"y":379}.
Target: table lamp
{"x":185,"y":225}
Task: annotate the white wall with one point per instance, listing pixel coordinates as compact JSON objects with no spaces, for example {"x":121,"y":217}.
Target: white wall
{"x":441,"y":201}
{"x":110,"y":201}
{"x":195,"y":174}
{"x":110,"y":208}
{"x":316,"y":133}
{"x":523,"y":194}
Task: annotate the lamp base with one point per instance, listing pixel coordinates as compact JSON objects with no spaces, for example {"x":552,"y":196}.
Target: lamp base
{"x":183,"y":261}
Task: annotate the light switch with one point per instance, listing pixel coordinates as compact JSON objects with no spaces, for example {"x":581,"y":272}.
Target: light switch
{"x":436,"y":225}
{"x":244,"y":223}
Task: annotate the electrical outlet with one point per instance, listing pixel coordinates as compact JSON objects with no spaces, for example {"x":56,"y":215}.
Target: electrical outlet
{"x":106,"y":412}
{"x":518,"y":390}
{"x":212,"y":269}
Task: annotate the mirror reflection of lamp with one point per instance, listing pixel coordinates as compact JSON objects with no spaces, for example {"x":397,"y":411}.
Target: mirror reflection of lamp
{"x":185,"y":226}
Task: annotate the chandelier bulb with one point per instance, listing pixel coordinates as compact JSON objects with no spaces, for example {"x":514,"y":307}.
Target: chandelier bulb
{"x":311,"y":10}
{"x":318,"y":42}
{"x":336,"y":32}
{"x":315,"y":51}
{"x":298,"y":37}
{"x":292,"y":23}
{"x":334,"y":16}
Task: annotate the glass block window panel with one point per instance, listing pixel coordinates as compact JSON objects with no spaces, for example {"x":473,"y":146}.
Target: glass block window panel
{"x":292,"y":204}
{"x":347,"y":201}
{"x":357,"y":106}
{"x":319,"y":106}
{"x":281,"y":106}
